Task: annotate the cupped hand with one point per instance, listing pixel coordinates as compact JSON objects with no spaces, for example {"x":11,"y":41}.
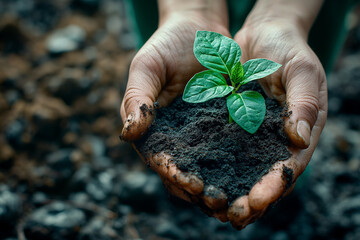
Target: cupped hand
{"x":300,"y":84}
{"x":159,"y":72}
{"x":161,"y":69}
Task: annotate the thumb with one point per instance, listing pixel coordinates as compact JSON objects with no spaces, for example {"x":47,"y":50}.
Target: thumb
{"x":302,"y":97}
{"x":137,"y":108}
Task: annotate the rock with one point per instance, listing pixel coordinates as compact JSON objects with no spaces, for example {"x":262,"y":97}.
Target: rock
{"x":97,"y":145}
{"x":348,"y":80}
{"x":66,"y":39}
{"x":14,"y":132}
{"x":169,"y":230}
{"x":80,"y":198}
{"x":62,"y":167}
{"x":101,"y":187}
{"x":114,"y":24}
{"x":39,"y":199}
{"x":101,"y":163}
{"x":124,"y":210}
{"x":61,"y":161}
{"x":13,"y":38}
{"x":56,"y":221}
{"x":7,"y":154}
{"x":141,"y":190}
{"x":12,"y":96}
{"x":10,"y":206}
{"x":346,"y":213}
{"x":47,"y":115}
{"x":127,"y":40}
{"x":81,"y":177}
{"x":70,"y":84}
{"x":98,"y":228}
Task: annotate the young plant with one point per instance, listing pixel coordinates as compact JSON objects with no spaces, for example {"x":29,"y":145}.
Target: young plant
{"x":221,"y":55}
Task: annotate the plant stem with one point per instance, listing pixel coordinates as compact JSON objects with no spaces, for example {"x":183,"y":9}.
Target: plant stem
{"x":237,"y":88}
{"x":230,"y":119}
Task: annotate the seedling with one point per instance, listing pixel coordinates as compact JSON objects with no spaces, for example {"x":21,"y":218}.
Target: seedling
{"x":221,"y":55}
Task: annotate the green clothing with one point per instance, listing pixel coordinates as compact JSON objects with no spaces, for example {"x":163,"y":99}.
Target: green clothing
{"x":326,"y":37}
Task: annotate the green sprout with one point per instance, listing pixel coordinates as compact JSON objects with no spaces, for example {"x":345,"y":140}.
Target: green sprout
{"x":221,"y":55}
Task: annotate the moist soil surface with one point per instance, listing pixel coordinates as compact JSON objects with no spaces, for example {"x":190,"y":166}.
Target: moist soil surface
{"x":202,"y":141}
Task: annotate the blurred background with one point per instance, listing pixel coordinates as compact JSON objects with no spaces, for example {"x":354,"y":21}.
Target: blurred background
{"x":64,"y":173}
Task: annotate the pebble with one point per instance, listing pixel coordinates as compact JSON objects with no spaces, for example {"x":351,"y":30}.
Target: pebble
{"x":80,"y":198}
{"x":12,"y":96}
{"x":81,"y":177}
{"x":97,"y":145}
{"x":10,"y":206}
{"x":101,"y":163}
{"x":57,"y":220}
{"x":101,"y":186}
{"x":39,"y":199}
{"x":98,"y":228}
{"x":168,"y":229}
{"x":66,"y":39}
{"x":61,"y":162}
{"x":346,"y":212}
{"x":141,"y":190}
{"x":69,"y":84}
{"x":14,"y":132}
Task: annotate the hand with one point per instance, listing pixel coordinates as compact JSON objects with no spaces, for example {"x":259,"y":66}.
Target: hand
{"x":159,"y":72}
{"x":300,"y":84}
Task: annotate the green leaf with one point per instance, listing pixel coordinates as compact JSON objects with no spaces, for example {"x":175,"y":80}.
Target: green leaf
{"x":204,"y":86}
{"x":247,"y":109}
{"x":237,"y":73}
{"x":258,"y":68}
{"x":216,"y":52}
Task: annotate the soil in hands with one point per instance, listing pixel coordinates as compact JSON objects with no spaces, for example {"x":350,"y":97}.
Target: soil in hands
{"x":201,"y":141}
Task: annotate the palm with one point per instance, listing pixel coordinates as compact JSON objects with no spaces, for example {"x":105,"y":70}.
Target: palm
{"x":159,"y":72}
{"x":168,"y":60}
{"x":301,"y":85}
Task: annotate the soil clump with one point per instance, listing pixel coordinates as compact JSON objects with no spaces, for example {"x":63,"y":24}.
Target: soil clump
{"x":201,"y":141}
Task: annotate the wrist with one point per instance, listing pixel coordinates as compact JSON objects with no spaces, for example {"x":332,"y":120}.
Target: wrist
{"x":298,"y":15}
{"x":213,"y":11}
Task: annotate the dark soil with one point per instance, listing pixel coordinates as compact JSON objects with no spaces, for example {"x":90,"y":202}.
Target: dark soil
{"x":201,"y":141}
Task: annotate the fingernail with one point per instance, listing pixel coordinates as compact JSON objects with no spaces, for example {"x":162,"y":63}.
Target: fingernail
{"x":303,"y":130}
{"x":126,"y":125}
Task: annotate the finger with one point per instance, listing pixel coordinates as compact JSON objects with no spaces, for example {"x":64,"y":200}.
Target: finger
{"x":304,"y":80}
{"x":146,"y":78}
{"x":172,"y":189}
{"x":214,"y":198}
{"x":240,"y":213}
{"x":272,"y":185}
{"x":268,"y":189}
{"x":279,"y":181}
{"x":162,"y":164}
{"x":221,"y":215}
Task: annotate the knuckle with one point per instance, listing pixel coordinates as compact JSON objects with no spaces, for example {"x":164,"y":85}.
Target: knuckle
{"x":308,"y":107}
{"x":305,"y":63}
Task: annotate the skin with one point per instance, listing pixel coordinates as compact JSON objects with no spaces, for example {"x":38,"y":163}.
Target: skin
{"x":276,"y":30}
